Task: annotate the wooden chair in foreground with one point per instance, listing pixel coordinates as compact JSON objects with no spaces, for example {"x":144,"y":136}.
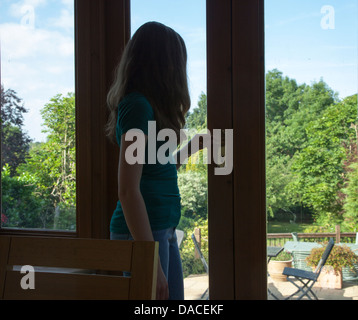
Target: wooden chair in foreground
{"x":78,"y":269}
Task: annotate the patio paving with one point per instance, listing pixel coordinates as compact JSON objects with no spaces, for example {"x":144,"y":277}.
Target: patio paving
{"x":195,"y":286}
{"x":283,"y":289}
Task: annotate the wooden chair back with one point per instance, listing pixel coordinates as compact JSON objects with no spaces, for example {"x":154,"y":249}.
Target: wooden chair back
{"x":78,"y":269}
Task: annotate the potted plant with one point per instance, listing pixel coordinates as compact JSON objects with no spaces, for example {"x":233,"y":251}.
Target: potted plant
{"x":277,"y":264}
{"x":331,"y":274}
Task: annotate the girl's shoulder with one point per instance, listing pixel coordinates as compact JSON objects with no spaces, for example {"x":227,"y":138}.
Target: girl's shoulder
{"x":134,"y":98}
{"x":134,"y":111}
{"x":135,"y":102}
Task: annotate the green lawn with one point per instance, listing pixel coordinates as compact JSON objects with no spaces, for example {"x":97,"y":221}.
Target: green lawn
{"x":285,"y":227}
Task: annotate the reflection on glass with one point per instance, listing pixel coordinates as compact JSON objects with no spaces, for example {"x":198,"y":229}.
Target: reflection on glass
{"x":38,"y":187}
{"x":311,"y":115}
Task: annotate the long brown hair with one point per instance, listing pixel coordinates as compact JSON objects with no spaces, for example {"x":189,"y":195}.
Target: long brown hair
{"x":154,"y":63}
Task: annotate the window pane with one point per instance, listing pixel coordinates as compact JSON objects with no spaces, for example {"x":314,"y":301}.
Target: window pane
{"x":311,"y":118}
{"x":188,"y":18}
{"x":38,"y":115}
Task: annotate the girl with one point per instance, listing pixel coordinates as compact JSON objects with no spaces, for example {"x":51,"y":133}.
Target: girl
{"x":150,"y":85}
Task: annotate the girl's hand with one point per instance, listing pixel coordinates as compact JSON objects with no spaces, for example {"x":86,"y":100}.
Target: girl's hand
{"x":162,"y":285}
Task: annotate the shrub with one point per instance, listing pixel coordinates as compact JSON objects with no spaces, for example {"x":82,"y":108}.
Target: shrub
{"x":340,"y":256}
{"x":193,"y":189}
{"x":282,"y":256}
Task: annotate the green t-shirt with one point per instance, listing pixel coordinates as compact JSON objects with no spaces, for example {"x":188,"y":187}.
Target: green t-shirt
{"x":159,"y":182}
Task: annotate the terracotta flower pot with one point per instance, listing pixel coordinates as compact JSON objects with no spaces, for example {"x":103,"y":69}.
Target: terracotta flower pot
{"x":275,"y":269}
{"x":329,"y":279}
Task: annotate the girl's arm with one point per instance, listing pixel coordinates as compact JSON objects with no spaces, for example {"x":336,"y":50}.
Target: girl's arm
{"x":134,"y":208}
{"x":131,"y":199}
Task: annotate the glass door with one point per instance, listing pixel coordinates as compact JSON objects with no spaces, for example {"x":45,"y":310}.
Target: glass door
{"x":188,"y":18}
{"x":311,"y":124}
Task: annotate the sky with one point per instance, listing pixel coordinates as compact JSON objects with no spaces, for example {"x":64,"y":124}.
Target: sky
{"x":305,"y":39}
{"x":312,"y":39}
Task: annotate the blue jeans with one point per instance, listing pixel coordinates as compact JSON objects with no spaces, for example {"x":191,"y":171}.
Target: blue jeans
{"x":169,"y":259}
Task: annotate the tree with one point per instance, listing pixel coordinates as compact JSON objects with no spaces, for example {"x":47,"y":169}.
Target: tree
{"x":314,"y":100}
{"x":53,"y":163}
{"x":198,"y":117}
{"x":290,"y":107}
{"x":289,"y":110}
{"x":319,"y":169}
{"x":59,"y":120}
{"x":283,"y":100}
{"x":350,"y":215}
{"x":283,"y":96}
{"x":14,"y":142}
{"x":12,"y":109}
{"x":278,"y":177}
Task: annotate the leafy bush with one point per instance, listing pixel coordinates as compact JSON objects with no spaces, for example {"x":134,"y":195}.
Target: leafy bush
{"x":20,"y":206}
{"x":193,"y":189}
{"x":283,"y":256}
{"x":340,"y":256}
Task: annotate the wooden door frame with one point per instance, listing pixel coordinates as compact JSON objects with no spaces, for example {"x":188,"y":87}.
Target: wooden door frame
{"x":220,"y":116}
{"x":236,"y":100}
{"x":102,"y":30}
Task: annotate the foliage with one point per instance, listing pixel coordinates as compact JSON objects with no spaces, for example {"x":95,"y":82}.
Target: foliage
{"x":198,"y":117}
{"x":319,"y":169}
{"x":191,"y":265}
{"x":289,"y":109}
{"x":278,"y":176}
{"x":340,"y":256}
{"x":319,"y":228}
{"x":20,"y":205}
{"x":282,"y":256}
{"x":43,"y":193}
{"x":192,"y":181}
{"x":54,"y":163}
{"x":311,"y":141}
{"x":12,"y":109}
{"x":14,"y":141}
{"x":192,"y":176}
{"x":350,"y":214}
{"x":193,"y":190}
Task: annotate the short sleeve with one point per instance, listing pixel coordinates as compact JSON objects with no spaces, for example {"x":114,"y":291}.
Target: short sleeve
{"x":134,"y":112}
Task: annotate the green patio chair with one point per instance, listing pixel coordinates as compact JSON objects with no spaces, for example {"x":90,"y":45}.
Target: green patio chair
{"x":294,"y":236}
{"x":307,"y":278}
